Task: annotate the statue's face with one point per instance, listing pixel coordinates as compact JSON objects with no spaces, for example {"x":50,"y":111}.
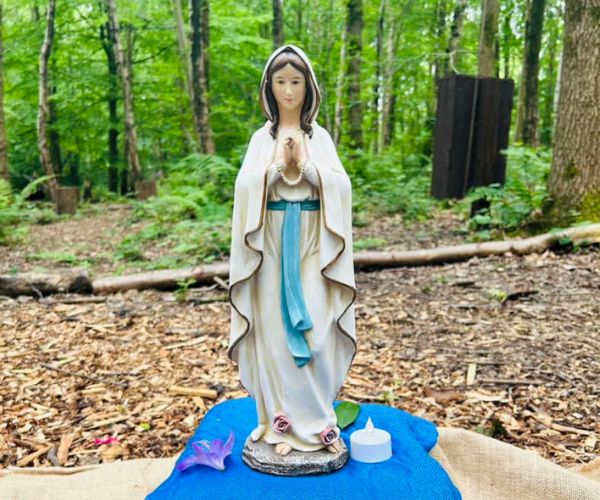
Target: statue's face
{"x":288,"y":86}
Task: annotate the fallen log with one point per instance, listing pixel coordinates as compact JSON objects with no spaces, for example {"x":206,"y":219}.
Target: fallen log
{"x":74,"y":280}
{"x":365,"y":260}
{"x":536,"y":244}
{"x":163,"y":279}
{"x":77,"y":281}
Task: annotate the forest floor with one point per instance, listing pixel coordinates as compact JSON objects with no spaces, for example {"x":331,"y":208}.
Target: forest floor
{"x":509,"y":345}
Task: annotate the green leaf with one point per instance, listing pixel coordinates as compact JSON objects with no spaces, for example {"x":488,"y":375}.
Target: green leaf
{"x":346,"y":413}
{"x":495,"y":428}
{"x":565,"y":241}
{"x":497,"y":294}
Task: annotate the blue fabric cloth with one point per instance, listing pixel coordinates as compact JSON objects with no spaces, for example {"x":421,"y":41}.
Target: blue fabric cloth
{"x":411,"y":473}
{"x":296,"y":318}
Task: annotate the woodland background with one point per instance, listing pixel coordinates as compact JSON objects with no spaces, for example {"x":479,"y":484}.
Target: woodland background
{"x":102,"y":94}
{"x":167,"y":83}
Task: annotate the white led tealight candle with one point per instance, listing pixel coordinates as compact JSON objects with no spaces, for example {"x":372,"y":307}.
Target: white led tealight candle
{"x":370,"y":445}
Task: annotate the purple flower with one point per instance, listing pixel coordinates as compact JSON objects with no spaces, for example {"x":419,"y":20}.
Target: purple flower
{"x":281,"y":423}
{"x":329,"y":435}
{"x":211,"y":453}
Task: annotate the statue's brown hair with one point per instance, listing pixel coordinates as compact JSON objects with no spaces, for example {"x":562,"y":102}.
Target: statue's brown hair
{"x":289,"y":56}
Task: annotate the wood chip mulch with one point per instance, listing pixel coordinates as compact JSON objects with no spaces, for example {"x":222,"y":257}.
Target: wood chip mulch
{"x":508,"y":344}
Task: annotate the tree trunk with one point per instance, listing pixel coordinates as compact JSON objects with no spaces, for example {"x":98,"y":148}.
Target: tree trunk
{"x":379,"y":87}
{"x":389,"y":110}
{"x":507,"y":36}
{"x":199,"y":86}
{"x":389,"y":83}
{"x":128,"y":51}
{"x":53,"y":135}
{"x":354,"y":26}
{"x":123,"y":70}
{"x":390,"y":116}
{"x":456,"y":33}
{"x":440,"y":63}
{"x":339,"y":93}
{"x":182,"y":48}
{"x":205,"y":29}
{"x":527,"y":119}
{"x":190,"y":138}
{"x":575,"y":176}
{"x":113,"y":117}
{"x":4,"y":170}
{"x":299,"y":9}
{"x":547,"y":104}
{"x":44,"y":110}
{"x":278,"y":38}
{"x":488,"y":60}
{"x":580,"y":235}
{"x":326,"y":71}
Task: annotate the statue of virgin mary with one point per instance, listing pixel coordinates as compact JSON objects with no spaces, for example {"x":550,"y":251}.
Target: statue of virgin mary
{"x":291,"y":274}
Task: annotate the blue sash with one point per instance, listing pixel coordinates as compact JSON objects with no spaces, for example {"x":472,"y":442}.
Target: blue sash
{"x":296,"y":319}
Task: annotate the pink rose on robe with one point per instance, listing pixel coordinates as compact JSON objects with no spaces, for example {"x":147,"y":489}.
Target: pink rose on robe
{"x":281,"y":423}
{"x":329,"y":435}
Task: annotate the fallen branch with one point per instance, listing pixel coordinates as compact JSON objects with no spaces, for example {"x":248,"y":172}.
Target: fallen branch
{"x":74,"y":300}
{"x":455,"y":253}
{"x":194,"y":391}
{"x":76,"y":280}
{"x":367,"y":259}
{"x":32,"y":456}
{"x":63,"y":448}
{"x":187,"y":343}
{"x":512,"y":381}
{"x":163,"y":279}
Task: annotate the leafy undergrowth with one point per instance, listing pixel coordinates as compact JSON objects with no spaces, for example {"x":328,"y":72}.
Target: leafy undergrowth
{"x":191,"y":216}
{"x":189,"y":222}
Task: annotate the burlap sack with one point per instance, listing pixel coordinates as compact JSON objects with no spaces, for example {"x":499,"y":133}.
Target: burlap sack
{"x":484,"y":468}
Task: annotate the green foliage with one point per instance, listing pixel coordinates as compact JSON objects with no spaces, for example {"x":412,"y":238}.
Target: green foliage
{"x":182,"y":289}
{"x":15,"y":211}
{"x":385,"y":184}
{"x":191,"y":214}
{"x":62,"y":257}
{"x":346,"y":413}
{"x":101,"y":193}
{"x":521,"y":200}
{"x":590,"y":207}
{"x":369,"y":243}
{"x":493,"y":429}
{"x":497,"y":294}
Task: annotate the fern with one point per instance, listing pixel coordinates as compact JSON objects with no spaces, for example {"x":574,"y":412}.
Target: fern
{"x":521,"y":199}
{"x":14,"y":210}
{"x":191,"y":215}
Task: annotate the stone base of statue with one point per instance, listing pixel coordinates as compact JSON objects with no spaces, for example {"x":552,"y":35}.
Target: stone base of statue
{"x":261,"y":456}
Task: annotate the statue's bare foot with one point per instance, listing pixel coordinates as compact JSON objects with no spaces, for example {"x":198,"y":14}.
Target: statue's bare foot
{"x":283,"y":448}
{"x":258,"y":432}
{"x":335,"y":447}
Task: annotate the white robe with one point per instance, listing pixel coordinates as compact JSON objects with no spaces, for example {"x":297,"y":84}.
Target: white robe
{"x":258,"y":342}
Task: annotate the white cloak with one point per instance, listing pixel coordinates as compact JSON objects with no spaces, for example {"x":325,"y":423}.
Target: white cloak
{"x":305,"y":395}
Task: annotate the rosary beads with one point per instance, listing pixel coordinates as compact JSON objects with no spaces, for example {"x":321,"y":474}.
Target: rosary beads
{"x":281,"y":165}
